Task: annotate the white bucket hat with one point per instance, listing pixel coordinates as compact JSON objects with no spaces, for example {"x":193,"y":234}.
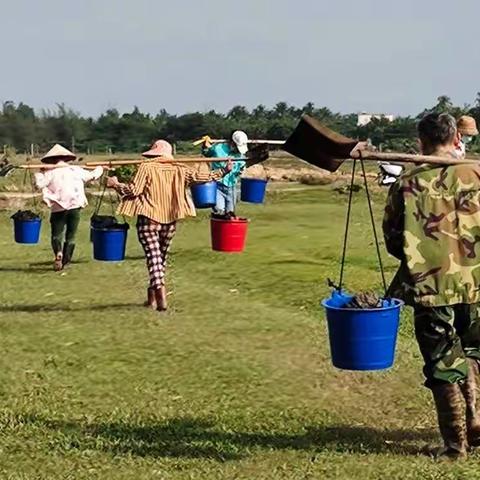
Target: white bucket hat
{"x":57,"y":152}
{"x":240,"y":139}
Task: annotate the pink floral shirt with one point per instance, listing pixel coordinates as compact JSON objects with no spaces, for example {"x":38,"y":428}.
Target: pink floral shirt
{"x":63,"y":186}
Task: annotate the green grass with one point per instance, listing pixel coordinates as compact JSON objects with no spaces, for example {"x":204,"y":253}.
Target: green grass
{"x":234,"y":382}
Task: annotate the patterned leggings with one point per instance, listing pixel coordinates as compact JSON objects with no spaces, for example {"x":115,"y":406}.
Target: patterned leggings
{"x":155,"y":239}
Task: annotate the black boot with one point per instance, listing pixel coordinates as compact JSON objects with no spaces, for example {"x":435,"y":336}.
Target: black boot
{"x":68,"y":249}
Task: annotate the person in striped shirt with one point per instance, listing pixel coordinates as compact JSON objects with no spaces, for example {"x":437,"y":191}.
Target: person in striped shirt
{"x":158,"y":196}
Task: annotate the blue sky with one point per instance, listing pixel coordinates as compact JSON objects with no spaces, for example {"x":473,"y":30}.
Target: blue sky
{"x":186,"y":55}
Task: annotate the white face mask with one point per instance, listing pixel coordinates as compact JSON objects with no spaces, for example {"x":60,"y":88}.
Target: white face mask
{"x":466,"y":139}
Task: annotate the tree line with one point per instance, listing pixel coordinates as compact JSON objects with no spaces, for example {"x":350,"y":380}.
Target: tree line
{"x":24,"y":129}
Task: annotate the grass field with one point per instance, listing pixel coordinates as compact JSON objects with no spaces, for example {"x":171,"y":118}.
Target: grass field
{"x":235,"y":382}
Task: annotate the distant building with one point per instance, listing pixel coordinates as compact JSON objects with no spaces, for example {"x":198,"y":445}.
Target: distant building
{"x":365,"y":118}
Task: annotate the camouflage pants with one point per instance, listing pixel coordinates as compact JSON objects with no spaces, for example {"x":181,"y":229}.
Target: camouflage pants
{"x":446,"y":336}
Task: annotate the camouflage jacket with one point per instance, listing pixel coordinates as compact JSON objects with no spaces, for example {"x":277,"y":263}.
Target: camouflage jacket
{"x":432,"y":225}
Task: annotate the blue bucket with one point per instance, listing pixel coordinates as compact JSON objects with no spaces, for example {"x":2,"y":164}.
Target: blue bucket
{"x":252,"y":190}
{"x":204,"y":194}
{"x":362,"y":339}
{"x":27,"y":231}
{"x":109,"y":244}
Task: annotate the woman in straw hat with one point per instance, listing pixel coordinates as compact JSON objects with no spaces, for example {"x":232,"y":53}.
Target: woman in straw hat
{"x":63,"y":191}
{"x":158,"y":196}
{"x":466,"y":129}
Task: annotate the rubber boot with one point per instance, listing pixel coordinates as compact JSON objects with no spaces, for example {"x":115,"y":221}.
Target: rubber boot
{"x":151,"y":299}
{"x":161,"y":297}
{"x":57,"y":246}
{"x":451,"y":421}
{"x":68,"y":249}
{"x":470,"y":390}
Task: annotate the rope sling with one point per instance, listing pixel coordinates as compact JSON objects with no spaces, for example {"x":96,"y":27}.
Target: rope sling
{"x":100,"y":200}
{"x":28,"y":178}
{"x":347,"y":228}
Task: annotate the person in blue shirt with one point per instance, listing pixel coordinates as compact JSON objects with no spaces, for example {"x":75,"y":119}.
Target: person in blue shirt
{"x":237,"y":147}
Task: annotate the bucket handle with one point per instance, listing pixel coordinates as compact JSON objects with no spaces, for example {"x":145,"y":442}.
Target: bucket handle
{"x":347,"y":225}
{"x":102,"y":190}
{"x":28,"y":176}
{"x":102,"y":196}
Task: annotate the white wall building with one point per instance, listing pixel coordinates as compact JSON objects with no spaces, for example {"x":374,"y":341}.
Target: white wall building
{"x":365,"y":118}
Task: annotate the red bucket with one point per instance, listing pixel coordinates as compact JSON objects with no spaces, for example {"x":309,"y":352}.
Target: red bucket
{"x":228,"y":235}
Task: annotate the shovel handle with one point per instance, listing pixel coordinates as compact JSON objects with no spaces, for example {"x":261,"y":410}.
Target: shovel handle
{"x":257,"y":142}
{"x":254,"y":141}
{"x":410,"y":158}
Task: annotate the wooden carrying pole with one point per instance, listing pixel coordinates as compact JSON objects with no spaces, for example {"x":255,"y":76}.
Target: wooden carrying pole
{"x":120,"y":163}
{"x":117,"y":163}
{"x":409,"y":158}
{"x":364,"y":154}
{"x":43,"y":166}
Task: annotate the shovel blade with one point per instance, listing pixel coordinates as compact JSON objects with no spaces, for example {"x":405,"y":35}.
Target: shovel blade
{"x":257,"y":154}
{"x":318,"y":145}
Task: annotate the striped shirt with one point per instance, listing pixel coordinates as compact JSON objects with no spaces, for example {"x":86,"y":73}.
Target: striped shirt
{"x":159,"y":191}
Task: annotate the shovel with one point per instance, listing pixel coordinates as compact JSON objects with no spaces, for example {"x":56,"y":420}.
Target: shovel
{"x":205,"y":138}
{"x":316,"y":144}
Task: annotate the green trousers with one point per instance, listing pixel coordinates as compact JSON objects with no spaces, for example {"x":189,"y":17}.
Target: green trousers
{"x":446,"y":337}
{"x":64,"y":227}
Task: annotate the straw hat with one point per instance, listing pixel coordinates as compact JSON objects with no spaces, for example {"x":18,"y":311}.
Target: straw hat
{"x":161,"y":148}
{"x":57,"y":153}
{"x":467,"y":126}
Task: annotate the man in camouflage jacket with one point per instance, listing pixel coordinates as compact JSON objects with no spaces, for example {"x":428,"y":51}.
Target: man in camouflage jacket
{"x":432,"y":225}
